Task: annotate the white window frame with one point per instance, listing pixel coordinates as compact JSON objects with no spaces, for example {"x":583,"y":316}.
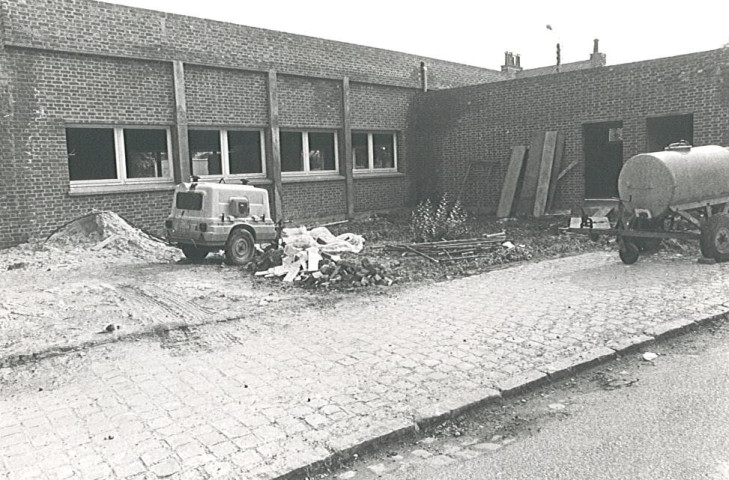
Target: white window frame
{"x":120,"y":158}
{"x":225,"y":154}
{"x":371,"y":153}
{"x":305,"y":148}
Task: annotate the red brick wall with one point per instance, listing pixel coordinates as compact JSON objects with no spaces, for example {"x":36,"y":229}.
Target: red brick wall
{"x":481,"y":123}
{"x":50,"y":91}
{"x":89,"y":26}
{"x":222,"y":97}
{"x":376,"y":108}
{"x":303,"y":201}
{"x":308,"y":102}
{"x":380,"y":193}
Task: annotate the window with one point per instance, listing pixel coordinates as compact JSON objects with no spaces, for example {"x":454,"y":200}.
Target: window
{"x":663,"y":131}
{"x":118,"y":155}
{"x":309,"y":152}
{"x":374,"y":151}
{"x":226,"y":153}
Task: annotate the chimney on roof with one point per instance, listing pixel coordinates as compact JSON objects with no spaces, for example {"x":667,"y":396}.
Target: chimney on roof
{"x":512,"y":64}
{"x":596,"y":58}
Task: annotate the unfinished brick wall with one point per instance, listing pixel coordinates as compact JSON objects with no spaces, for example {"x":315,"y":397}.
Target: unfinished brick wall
{"x":481,"y":123}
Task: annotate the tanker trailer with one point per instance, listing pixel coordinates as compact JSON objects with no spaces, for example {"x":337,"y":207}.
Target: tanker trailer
{"x":682,"y":182}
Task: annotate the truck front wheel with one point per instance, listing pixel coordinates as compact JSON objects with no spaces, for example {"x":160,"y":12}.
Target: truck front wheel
{"x":240,"y":247}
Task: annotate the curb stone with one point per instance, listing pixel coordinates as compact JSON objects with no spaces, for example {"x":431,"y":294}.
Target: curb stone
{"x":518,"y":384}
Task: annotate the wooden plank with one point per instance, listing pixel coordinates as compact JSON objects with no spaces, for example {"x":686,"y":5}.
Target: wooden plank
{"x":347,"y":147}
{"x":567,"y":169}
{"x":556,"y":166}
{"x":181,"y":165}
{"x":510,"y":182}
{"x":274,"y":153}
{"x":525,"y":205}
{"x":545,"y":173}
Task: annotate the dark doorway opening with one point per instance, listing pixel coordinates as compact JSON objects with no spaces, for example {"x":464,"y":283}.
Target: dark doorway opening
{"x":662,"y":131}
{"x":603,"y":147}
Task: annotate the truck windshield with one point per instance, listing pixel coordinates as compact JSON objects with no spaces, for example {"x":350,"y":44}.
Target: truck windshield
{"x":189,"y":201}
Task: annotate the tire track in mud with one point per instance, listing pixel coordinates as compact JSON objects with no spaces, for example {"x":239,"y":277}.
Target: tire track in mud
{"x":177,"y":317}
{"x":161,"y":306}
{"x":181,"y":322}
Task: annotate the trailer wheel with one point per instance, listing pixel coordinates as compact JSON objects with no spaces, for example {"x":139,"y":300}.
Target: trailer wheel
{"x":194,"y":253}
{"x":240,"y":247}
{"x":715,"y":238}
{"x":629,"y":253}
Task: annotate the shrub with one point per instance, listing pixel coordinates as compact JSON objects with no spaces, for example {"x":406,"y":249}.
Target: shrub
{"x":447,"y":221}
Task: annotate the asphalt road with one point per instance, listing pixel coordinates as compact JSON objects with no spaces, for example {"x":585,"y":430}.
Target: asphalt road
{"x":673,"y":424}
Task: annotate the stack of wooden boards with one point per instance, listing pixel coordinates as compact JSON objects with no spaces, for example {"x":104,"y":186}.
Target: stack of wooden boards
{"x":532,"y":176}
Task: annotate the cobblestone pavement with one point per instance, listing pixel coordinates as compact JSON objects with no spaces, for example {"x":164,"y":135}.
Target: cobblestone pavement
{"x":258,"y":399}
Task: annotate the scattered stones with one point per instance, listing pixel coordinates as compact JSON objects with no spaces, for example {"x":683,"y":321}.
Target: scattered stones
{"x":649,"y":356}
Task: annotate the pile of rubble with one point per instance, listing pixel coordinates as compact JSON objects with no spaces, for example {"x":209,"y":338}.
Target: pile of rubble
{"x":313,"y":259}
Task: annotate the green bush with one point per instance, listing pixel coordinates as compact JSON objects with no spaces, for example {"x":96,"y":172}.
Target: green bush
{"x":447,"y":221}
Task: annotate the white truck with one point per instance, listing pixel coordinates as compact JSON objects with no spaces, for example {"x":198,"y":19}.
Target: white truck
{"x":208,"y":217}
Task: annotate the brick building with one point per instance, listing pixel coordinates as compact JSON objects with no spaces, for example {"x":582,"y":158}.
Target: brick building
{"x":104,"y":106}
{"x":607,"y":114}
{"x":108,"y":107}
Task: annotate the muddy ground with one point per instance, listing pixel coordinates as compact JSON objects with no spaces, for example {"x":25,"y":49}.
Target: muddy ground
{"x":100,"y":278}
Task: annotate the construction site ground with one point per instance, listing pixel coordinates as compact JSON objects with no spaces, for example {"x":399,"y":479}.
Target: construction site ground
{"x":287,"y":379}
{"x":211,"y":373}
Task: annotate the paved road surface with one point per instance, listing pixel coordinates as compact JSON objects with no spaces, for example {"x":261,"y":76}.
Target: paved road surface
{"x":264,"y":395}
{"x":673,"y":424}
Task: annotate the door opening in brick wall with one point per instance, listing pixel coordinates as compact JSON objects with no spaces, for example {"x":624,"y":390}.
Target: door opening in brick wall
{"x":603,"y":149}
{"x":662,"y":131}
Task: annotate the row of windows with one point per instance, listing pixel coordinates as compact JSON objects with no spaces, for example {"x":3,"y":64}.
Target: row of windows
{"x":142,"y":155}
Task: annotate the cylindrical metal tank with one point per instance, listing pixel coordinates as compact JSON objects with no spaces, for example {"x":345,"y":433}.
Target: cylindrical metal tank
{"x":655,"y":181}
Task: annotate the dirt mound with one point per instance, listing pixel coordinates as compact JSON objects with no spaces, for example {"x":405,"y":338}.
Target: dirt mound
{"x":104,"y":226}
{"x":100,"y":236}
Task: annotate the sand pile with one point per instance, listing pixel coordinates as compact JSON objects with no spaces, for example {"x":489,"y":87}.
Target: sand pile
{"x":100,"y":236}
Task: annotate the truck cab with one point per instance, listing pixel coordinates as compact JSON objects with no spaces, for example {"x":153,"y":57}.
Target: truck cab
{"x":208,"y":217}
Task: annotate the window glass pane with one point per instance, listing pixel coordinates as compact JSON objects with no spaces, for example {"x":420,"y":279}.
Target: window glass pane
{"x":384,"y":151}
{"x":91,"y":153}
{"x":359,"y":150}
{"x":291,"y":152}
{"x":146,"y":153}
{"x":205,"y":158}
{"x":321,"y":151}
{"x":244,"y":152}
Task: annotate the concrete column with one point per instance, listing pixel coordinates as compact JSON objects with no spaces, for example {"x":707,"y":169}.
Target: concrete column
{"x":347,"y":167}
{"x":181,"y":148}
{"x":273,"y":147}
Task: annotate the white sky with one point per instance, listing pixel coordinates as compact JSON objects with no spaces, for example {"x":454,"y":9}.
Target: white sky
{"x":478,"y":32}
